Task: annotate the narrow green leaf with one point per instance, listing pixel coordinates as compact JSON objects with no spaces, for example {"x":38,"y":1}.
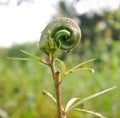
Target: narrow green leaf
{"x":62,"y":65}
{"x":91,"y":112}
{"x":70,"y":103}
{"x":49,"y":95}
{"x":80,"y":69}
{"x":30,"y":58}
{"x":93,"y":96}
{"x":27,"y":59}
{"x":77,"y":66}
{"x":24,"y":59}
{"x":28,"y":53}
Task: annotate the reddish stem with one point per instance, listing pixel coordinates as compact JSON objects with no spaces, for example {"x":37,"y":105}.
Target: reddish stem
{"x":57,"y":82}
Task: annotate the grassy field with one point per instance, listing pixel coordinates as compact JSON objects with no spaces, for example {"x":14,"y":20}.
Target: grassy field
{"x":22,"y":83}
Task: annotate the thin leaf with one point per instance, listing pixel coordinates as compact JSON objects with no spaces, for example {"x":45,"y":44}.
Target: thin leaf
{"x":24,"y":59}
{"x":70,"y":103}
{"x":80,"y":69}
{"x":62,"y":65}
{"x":93,"y":96}
{"x":49,"y":95}
{"x":31,"y":58}
{"x":77,"y":66}
{"x":91,"y":112}
{"x":28,"y":53}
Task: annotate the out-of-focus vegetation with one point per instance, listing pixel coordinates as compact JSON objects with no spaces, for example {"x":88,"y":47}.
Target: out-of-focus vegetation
{"x":21,"y":82}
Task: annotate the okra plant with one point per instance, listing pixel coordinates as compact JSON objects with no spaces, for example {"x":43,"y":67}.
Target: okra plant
{"x":62,"y":35}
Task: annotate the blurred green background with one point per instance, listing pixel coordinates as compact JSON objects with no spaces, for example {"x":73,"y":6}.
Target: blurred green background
{"x":22,"y":82}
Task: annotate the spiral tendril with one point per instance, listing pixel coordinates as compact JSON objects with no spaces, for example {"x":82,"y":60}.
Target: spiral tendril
{"x":62,"y":30}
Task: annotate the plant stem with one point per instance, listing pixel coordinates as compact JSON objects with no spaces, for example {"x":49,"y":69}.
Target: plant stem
{"x":58,"y":97}
{"x":57,"y":82}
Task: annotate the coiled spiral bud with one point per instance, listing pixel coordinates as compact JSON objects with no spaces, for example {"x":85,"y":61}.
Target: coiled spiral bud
{"x":63,"y":31}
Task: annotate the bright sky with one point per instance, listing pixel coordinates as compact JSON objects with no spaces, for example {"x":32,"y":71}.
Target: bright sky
{"x":96,"y":5}
{"x":20,"y":24}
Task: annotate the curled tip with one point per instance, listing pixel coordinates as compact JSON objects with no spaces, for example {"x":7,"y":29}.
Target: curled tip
{"x":64,"y":31}
{"x":93,"y":71}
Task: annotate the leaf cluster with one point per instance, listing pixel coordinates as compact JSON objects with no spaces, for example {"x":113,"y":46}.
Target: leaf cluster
{"x":50,"y":48}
